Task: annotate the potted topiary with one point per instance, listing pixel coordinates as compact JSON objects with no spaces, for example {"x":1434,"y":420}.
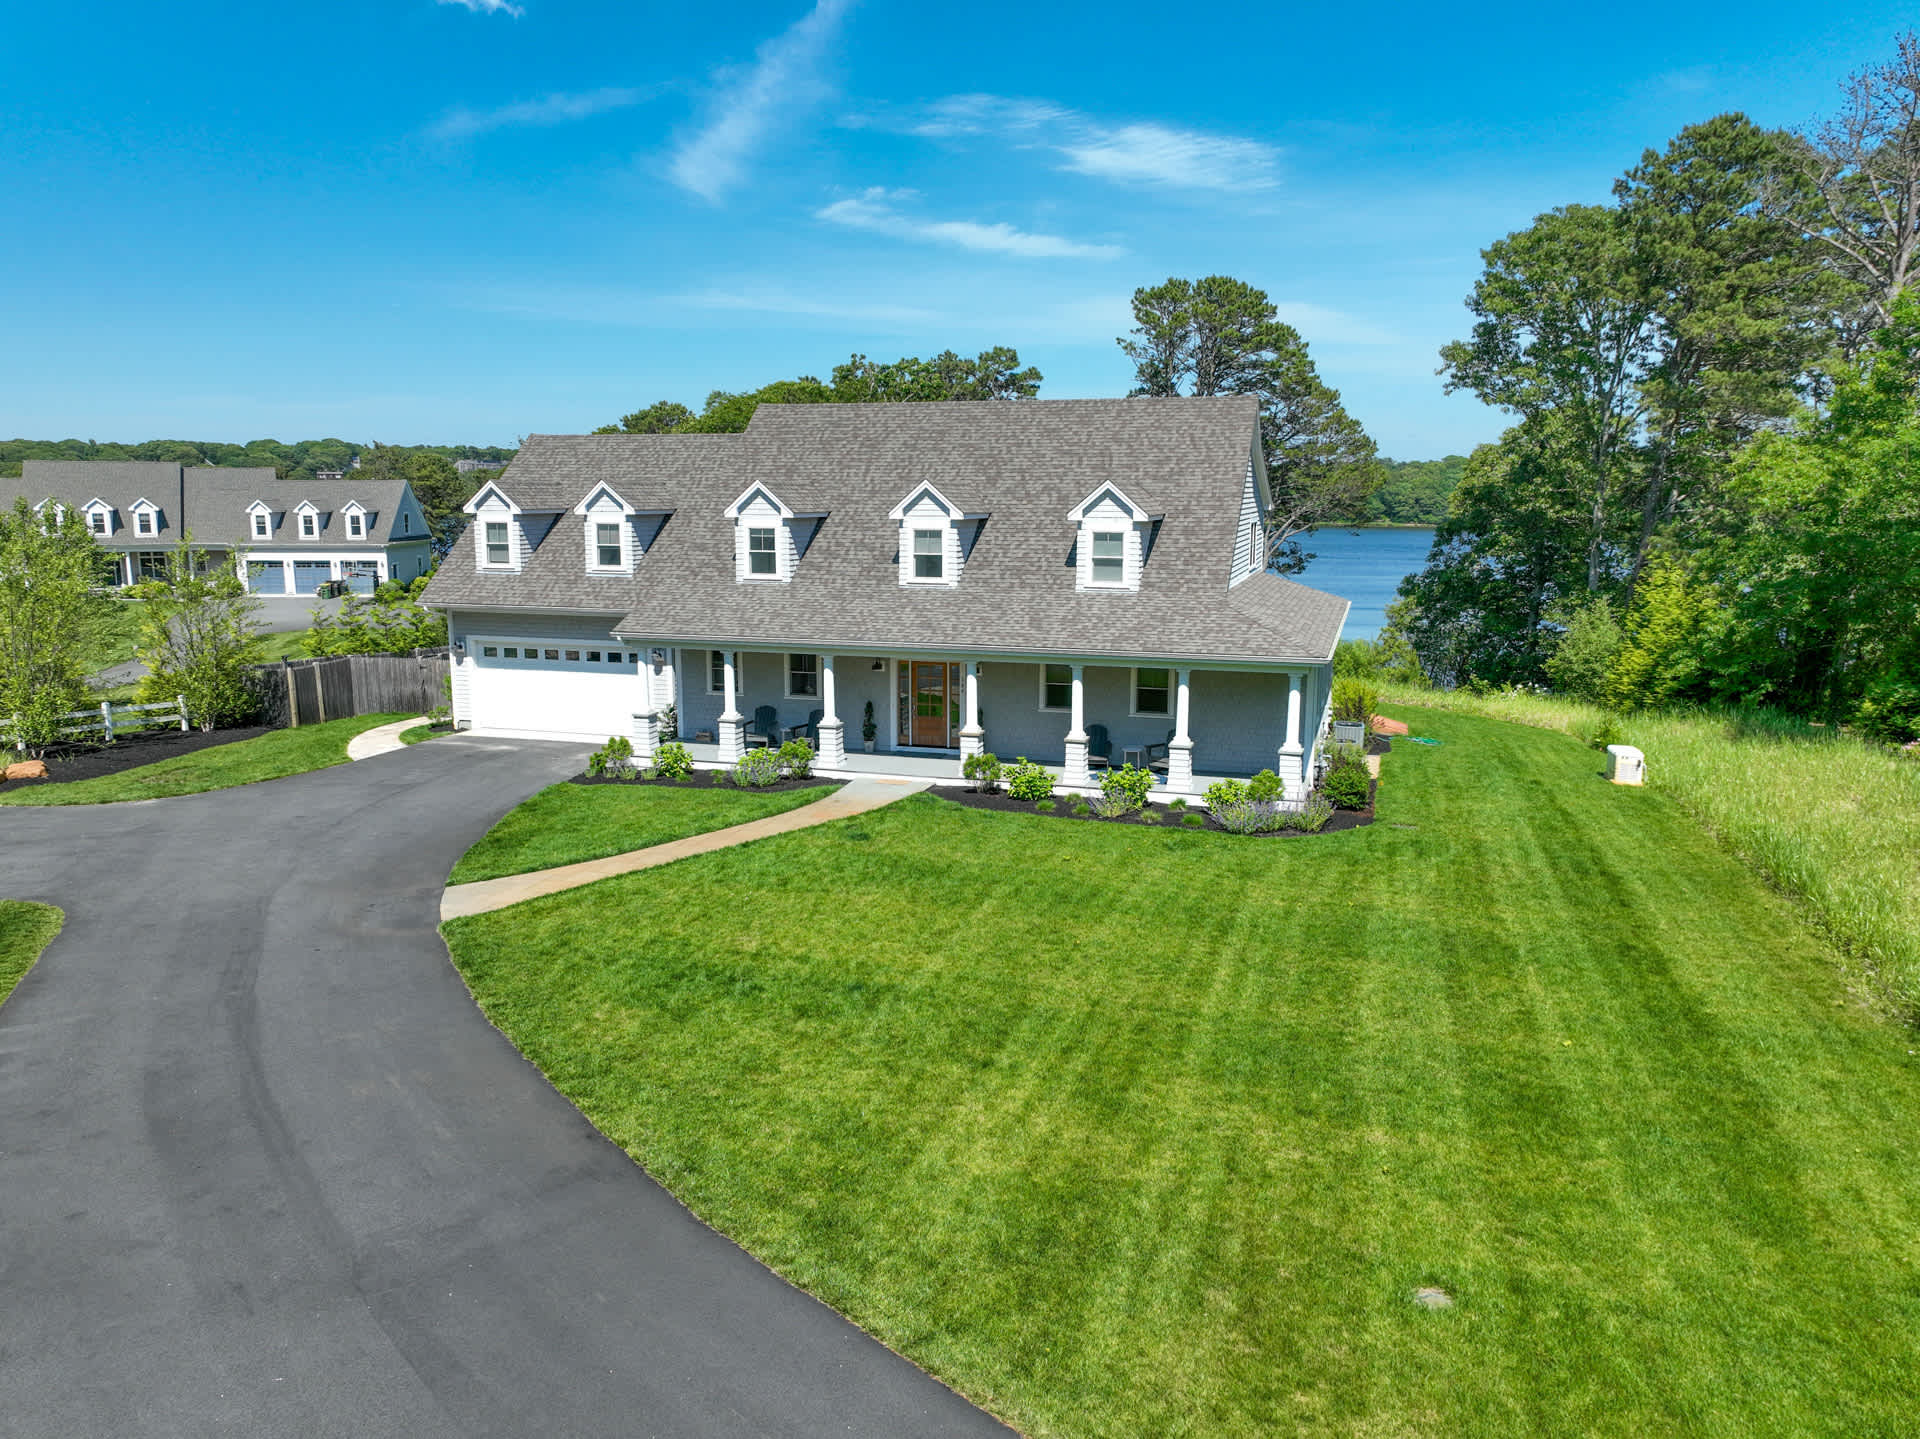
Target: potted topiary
{"x":868,"y":729}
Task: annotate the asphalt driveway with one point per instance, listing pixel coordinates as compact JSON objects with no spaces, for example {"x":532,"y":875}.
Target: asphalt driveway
{"x":265,"y":1169}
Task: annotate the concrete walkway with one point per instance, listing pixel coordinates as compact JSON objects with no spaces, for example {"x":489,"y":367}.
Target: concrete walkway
{"x":854,"y":797}
{"x":382,"y":739}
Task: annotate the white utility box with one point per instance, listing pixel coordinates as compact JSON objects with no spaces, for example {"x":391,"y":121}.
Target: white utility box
{"x":1626,"y":765}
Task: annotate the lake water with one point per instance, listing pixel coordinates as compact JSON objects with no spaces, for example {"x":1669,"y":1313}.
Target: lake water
{"x":1365,"y":567}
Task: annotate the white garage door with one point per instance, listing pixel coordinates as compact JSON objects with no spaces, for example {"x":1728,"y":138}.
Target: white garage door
{"x":558,"y":689}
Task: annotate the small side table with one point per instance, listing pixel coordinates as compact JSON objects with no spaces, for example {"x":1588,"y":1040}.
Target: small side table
{"x":1135,"y":756}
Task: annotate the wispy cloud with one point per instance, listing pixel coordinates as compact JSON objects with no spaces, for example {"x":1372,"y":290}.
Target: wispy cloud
{"x":876,"y":210}
{"x":784,"y":78}
{"x":488,"y":7}
{"x":462,"y":123}
{"x":1142,"y":153}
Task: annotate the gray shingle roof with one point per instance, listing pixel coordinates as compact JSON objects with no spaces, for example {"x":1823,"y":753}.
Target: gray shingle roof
{"x":209,"y":501}
{"x":1025,"y":463}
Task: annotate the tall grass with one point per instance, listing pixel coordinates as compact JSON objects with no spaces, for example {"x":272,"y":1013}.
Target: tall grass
{"x":1828,"y":819}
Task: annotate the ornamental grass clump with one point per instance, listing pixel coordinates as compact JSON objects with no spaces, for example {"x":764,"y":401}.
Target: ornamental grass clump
{"x":1311,"y":817}
{"x":1029,"y":781}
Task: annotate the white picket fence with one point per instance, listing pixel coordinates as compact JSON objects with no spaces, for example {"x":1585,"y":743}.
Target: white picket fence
{"x":112,"y":720}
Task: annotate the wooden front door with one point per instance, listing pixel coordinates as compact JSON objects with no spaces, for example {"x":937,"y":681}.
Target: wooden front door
{"x":930,"y":704}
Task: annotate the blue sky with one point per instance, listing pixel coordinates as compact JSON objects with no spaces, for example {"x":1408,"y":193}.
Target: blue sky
{"x":458,"y":221}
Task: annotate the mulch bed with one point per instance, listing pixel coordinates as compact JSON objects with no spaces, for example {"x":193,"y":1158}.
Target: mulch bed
{"x":93,"y":761}
{"x":1154,"y":816}
{"x":707,"y":779}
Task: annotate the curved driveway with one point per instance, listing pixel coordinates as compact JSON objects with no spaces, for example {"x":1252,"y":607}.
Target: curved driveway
{"x":266,"y":1170}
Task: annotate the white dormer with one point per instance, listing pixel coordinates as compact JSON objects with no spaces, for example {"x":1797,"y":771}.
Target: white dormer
{"x":259,"y":521}
{"x":935,"y":538}
{"x":1110,"y":545}
{"x":355,"y":515}
{"x":52,"y":513}
{"x":499,"y":544}
{"x":146,"y":518}
{"x":764,"y":551}
{"x":306,"y":520}
{"x":100,"y":517}
{"x":607,"y":522}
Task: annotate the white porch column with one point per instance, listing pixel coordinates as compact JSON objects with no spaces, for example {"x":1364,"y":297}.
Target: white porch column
{"x":1180,"y":747}
{"x":833,"y":744}
{"x":646,"y":719}
{"x":1076,"y":766}
{"x":733,"y":729}
{"x":972,"y":736}
{"x":1290,"y":769}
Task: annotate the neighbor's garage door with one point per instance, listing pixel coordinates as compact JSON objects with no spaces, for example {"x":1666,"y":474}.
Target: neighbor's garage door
{"x":558,"y":688}
{"x":266,"y":577}
{"x":361,"y":575}
{"x":309,"y":575}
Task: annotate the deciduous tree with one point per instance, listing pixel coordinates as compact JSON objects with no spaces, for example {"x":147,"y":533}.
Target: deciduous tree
{"x":51,"y":620}
{"x":197,"y":636}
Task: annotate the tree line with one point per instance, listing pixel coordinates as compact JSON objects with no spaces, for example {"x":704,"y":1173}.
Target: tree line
{"x":302,"y":459}
{"x":1706,"y":492}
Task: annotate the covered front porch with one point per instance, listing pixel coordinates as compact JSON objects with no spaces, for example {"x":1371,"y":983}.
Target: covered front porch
{"x":920,"y":717}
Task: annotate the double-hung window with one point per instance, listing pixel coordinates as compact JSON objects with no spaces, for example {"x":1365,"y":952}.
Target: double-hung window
{"x":1150,"y":692}
{"x":1056,"y":687}
{"x":803,"y":676}
{"x":760,"y":553}
{"x":99,"y":519}
{"x":716,"y":672}
{"x":259,"y":527}
{"x":353,"y":526}
{"x":497,"y":549}
{"x":929,"y":554}
{"x":306,"y":527}
{"x":144,"y":522}
{"x":607,"y":545}
{"x":1108,"y":561}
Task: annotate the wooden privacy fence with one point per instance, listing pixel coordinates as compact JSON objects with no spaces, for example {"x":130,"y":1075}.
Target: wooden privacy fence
{"x":297,"y":692}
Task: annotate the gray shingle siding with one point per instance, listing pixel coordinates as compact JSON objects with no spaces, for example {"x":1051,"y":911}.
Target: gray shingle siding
{"x":1025,"y":464}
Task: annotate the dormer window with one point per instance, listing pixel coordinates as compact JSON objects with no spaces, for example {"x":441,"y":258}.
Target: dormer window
{"x":499,"y":542}
{"x":356,"y":526}
{"x":309,"y":524}
{"x":1110,"y":546}
{"x":260,"y":527}
{"x":606,"y":543}
{"x":499,"y":551}
{"x":929,"y":554}
{"x":762,"y":559}
{"x":768,"y":536}
{"x":97,"y":522}
{"x":613,"y":537}
{"x":143,"y":522}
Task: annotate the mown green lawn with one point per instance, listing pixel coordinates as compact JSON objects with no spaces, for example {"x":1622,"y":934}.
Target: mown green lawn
{"x":1129,"y":1132}
{"x":25,"y":930}
{"x":568,"y":823}
{"x":269,"y":756}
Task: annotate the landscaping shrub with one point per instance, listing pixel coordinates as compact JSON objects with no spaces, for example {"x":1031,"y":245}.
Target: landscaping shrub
{"x":1179,"y":806}
{"x":613,"y":760}
{"x":1082,"y":808}
{"x":983,"y":770}
{"x":1312,"y":817}
{"x":1265,"y":785}
{"x":1026,"y":780}
{"x":1125,"y":790}
{"x":1045,"y":804}
{"x":1355,"y":699}
{"x":1604,"y":732}
{"x":796,"y":758}
{"x":1225,"y":791}
{"x":1194,"y":821}
{"x":1890,"y":711}
{"x":1347,"y":786}
{"x":1248,"y":816}
{"x":757,"y":768}
{"x":672,"y":761}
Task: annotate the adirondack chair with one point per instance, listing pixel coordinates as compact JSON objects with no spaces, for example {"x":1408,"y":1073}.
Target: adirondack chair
{"x":811,"y":729}
{"x":765,"y":729}
{"x":1158,"y":752}
{"x":1099,"y":747}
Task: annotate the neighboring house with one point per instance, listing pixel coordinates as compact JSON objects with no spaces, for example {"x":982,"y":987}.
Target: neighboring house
{"x":1030,"y":578}
{"x":284,"y":537}
{"x":467,"y":467}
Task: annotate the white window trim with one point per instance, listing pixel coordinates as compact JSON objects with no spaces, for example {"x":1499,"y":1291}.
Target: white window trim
{"x":914,"y":529}
{"x":753,"y":576}
{"x":146,"y":519}
{"x":487,"y":562}
{"x":721,"y":688}
{"x":1133,"y":693}
{"x":99,"y":522}
{"x":622,"y":541}
{"x":356,"y":520}
{"x":791,"y":693}
{"x":262,"y":525}
{"x":304,"y":511}
{"x":1093,"y":580}
{"x":1046,"y":708}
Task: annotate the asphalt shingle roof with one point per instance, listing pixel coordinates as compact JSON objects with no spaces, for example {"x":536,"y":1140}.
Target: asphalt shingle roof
{"x":1024,"y":463}
{"x":209,"y":501}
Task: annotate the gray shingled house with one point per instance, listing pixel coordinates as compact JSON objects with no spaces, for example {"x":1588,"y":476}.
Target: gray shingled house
{"x":285,"y":538}
{"x":1078,"y":581}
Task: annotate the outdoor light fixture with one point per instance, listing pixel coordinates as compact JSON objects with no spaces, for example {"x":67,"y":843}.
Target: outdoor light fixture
{"x":879,"y":664}
{"x":459,"y":646}
{"x":659,"y":657}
